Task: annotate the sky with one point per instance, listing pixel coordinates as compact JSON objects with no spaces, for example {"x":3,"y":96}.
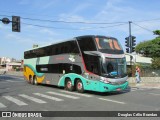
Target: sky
{"x":47,"y":21}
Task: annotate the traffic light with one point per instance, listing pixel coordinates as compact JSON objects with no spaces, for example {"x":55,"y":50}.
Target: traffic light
{"x":127,"y":50}
{"x":127,"y":42}
{"x":133,"y":43}
{"x":15,"y":23}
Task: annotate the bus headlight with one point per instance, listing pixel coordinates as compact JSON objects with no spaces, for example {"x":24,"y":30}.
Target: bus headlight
{"x":104,"y":80}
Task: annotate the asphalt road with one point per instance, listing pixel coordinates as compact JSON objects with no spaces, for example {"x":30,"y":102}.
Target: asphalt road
{"x":17,"y":95}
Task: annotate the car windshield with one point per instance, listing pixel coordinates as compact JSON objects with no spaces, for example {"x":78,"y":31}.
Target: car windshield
{"x":108,"y":43}
{"x":114,"y":67}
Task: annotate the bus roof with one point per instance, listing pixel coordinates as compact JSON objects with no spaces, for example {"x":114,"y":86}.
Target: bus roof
{"x":72,"y":39}
{"x":96,"y":36}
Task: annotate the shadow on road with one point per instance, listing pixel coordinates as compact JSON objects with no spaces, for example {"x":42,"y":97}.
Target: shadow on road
{"x":92,"y":92}
{"x":4,"y":77}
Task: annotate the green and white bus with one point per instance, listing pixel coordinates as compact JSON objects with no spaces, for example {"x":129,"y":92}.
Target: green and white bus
{"x":92,"y":62}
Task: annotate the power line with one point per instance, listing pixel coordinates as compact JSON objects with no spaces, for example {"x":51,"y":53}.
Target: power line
{"x":62,"y":21}
{"x":107,"y":26}
{"x":35,"y":14}
{"x":42,"y":26}
{"x":80,"y":22}
{"x":142,"y":27}
{"x":156,"y":19}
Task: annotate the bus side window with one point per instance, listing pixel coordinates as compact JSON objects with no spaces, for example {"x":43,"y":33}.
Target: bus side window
{"x":65,"y":49}
{"x":57,"y":51}
{"x":62,"y":49}
{"x":87,"y":44}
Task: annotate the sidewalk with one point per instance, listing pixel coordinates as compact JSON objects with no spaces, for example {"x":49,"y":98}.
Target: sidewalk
{"x":145,"y":85}
{"x":146,"y":82}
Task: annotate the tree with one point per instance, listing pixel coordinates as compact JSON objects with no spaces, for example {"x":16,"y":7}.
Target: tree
{"x":155,"y":47}
{"x":151,"y":48}
{"x":144,"y":48}
{"x":156,"y":32}
{"x":156,"y":62}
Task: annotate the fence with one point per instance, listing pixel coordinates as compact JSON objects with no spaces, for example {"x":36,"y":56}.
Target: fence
{"x":145,"y":72}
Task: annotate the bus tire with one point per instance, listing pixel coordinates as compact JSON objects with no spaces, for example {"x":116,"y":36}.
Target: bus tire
{"x":35,"y":81}
{"x":79,"y":86}
{"x":30,"y":80}
{"x":68,"y":85}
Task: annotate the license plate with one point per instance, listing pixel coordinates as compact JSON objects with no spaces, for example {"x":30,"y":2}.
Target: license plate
{"x":118,"y":89}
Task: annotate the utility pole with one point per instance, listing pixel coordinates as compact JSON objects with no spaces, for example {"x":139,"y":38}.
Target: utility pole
{"x":130,"y":44}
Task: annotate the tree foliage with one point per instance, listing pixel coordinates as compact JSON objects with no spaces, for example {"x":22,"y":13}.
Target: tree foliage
{"x":151,"y":48}
{"x":156,"y":32}
{"x":156,"y":62}
{"x":144,"y":48}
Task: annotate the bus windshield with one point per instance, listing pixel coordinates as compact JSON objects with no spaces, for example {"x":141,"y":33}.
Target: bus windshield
{"x":108,"y":43}
{"x":114,"y":67}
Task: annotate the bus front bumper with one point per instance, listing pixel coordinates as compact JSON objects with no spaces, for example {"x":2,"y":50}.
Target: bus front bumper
{"x":103,"y":87}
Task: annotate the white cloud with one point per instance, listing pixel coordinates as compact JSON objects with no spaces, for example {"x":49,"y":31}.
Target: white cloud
{"x":80,"y":8}
{"x":71,"y":18}
{"x":25,"y":40}
{"x":115,"y":11}
{"x":48,"y":32}
{"x":49,"y":4}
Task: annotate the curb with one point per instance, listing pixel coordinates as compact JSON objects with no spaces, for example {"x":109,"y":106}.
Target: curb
{"x":146,"y":85}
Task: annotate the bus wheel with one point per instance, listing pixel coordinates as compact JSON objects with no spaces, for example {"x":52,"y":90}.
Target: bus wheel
{"x":30,"y":79}
{"x":68,"y":85}
{"x":79,"y":86}
{"x":35,"y":81}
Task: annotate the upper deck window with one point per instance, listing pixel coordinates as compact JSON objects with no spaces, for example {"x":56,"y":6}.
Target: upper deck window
{"x":108,"y":43}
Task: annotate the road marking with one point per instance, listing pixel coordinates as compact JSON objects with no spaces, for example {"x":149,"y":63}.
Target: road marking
{"x":12,"y":81}
{"x":80,"y":94}
{"x":112,"y":101}
{"x":2,"y":105}
{"x":32,"y":98}
{"x":133,"y":90}
{"x":47,"y":96}
{"x":154,"y":94}
{"x":16,"y":101}
{"x":45,"y":110}
{"x":64,"y":95}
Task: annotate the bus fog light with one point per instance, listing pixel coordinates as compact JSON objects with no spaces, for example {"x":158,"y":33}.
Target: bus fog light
{"x":105,"y":87}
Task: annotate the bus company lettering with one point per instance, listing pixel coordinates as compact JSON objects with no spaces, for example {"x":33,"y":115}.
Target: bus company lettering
{"x":72,"y":58}
{"x":60,"y":58}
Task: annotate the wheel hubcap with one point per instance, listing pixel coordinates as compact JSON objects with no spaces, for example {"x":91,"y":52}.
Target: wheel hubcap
{"x":35,"y":81}
{"x":69,"y":84}
{"x":79,"y":86}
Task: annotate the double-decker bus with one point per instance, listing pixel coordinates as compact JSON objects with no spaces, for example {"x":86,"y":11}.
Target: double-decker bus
{"x":92,"y":62}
